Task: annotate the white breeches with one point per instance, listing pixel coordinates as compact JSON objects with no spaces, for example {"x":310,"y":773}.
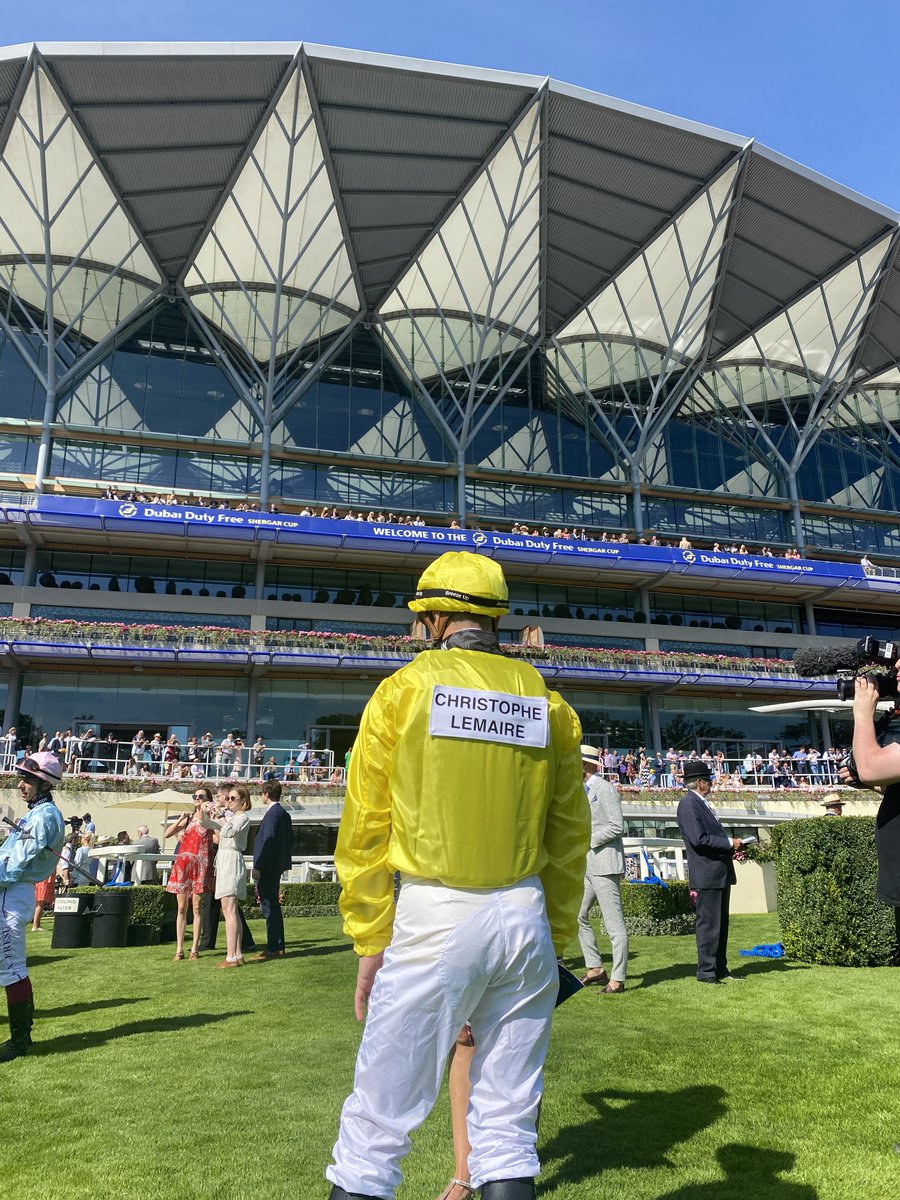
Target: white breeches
{"x":16,"y":911}
{"x":457,"y":955}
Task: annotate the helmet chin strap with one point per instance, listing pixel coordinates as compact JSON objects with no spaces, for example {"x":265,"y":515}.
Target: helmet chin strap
{"x":436,"y":623}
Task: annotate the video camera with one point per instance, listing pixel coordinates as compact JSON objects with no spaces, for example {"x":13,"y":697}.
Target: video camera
{"x":875,"y":660}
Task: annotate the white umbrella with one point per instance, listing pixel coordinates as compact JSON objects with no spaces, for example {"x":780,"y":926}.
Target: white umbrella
{"x":166,"y":801}
{"x":163,"y":801}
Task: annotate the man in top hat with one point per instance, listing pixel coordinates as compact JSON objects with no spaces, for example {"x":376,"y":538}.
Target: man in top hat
{"x":603,"y":878}
{"x":710,"y":852}
{"x":833,"y":805}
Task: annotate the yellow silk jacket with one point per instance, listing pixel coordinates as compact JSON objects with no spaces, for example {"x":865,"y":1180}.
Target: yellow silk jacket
{"x":457,"y":805}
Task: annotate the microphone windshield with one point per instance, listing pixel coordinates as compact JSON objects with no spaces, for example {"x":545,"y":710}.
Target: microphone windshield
{"x":827,"y":660}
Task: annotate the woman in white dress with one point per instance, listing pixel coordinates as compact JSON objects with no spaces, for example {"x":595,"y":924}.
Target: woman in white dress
{"x":231,"y":872}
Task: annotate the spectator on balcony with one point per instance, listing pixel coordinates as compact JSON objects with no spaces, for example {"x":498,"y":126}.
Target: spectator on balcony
{"x":10,"y":742}
{"x":171,"y":756}
{"x":684,"y":544}
{"x":800,"y":758}
{"x":87,"y":751}
{"x":225,"y":755}
{"x":812,"y":763}
{"x":110,"y":752}
{"x":156,"y":748}
{"x":239,"y":749}
{"x":867,"y":565}
{"x":258,"y":755}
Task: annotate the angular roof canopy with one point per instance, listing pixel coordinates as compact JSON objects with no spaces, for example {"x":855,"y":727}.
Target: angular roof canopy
{"x":176,"y":130}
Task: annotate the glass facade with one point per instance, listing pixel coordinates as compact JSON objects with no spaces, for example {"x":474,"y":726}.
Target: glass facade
{"x":54,"y":700}
{"x":145,"y":575}
{"x":712,"y":613}
{"x":727,"y":724}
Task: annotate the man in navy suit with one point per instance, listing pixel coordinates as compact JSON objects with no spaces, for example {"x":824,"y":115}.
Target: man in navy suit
{"x":710,"y":852}
{"x":272,"y":853}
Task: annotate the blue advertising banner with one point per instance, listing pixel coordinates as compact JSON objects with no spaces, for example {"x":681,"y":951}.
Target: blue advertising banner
{"x":119,"y":515}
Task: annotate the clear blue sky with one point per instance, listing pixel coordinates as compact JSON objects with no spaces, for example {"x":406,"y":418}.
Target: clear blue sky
{"x":813,"y":79}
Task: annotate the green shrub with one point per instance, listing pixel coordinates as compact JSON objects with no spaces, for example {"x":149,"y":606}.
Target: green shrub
{"x":297,"y":910}
{"x":153,"y":905}
{"x":651,"y":910}
{"x":299,"y":900}
{"x":826,"y":870}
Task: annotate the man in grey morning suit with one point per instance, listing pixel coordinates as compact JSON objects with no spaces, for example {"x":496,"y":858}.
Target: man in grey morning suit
{"x":603,"y":880}
{"x":710,"y":852}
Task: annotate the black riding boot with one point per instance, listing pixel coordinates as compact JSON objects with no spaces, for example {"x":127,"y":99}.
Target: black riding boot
{"x":338,"y":1193}
{"x":508,"y":1189}
{"x":21,"y":1018}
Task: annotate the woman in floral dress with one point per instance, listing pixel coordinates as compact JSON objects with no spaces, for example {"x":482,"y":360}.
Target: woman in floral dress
{"x":192,"y":873}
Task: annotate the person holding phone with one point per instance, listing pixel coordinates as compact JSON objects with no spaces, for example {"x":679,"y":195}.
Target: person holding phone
{"x":230,"y":869}
{"x":191,"y":874}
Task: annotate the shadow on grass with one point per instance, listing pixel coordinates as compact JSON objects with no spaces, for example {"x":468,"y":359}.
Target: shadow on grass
{"x":748,"y":1171}
{"x":762,"y":966}
{"x":684,"y":970}
{"x":739,"y":966}
{"x":311,"y":949}
{"x":71,"y":1042}
{"x":631,"y":1129}
{"x":45,"y":960}
{"x":69,"y":1010}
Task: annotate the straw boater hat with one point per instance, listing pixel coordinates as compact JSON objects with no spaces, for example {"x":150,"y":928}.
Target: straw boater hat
{"x":590,"y":754}
{"x":832,"y":800}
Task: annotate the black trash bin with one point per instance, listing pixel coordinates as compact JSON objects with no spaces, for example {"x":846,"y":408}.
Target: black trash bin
{"x":72,"y":922}
{"x":113,"y":908}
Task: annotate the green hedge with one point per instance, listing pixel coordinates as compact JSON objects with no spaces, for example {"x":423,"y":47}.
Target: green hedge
{"x":299,"y":900}
{"x":826,"y":871}
{"x":651,"y":910}
{"x":153,"y":905}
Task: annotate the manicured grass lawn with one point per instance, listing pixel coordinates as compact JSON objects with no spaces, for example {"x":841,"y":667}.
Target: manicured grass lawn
{"x":154,"y":1079}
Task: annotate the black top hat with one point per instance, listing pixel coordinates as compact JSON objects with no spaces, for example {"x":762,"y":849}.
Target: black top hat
{"x":696,"y":769}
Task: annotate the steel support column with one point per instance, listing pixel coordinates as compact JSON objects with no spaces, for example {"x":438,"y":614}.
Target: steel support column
{"x":13,"y":700}
{"x":796,"y":515}
{"x":252,"y":703}
{"x":655,"y":742}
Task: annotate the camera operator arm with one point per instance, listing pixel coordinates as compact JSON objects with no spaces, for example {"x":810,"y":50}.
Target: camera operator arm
{"x":874,"y":764}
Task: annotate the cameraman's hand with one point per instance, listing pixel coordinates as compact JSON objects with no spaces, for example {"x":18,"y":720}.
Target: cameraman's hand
{"x":874,"y":764}
{"x":736,"y":843}
{"x":865,"y":699}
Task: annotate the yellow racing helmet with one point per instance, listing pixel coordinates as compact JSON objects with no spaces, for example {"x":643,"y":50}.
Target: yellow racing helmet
{"x":462,"y":581}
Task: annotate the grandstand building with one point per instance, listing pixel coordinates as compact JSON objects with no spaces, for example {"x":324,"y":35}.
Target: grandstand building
{"x":301,"y":278}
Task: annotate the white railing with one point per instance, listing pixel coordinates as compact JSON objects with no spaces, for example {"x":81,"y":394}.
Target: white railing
{"x":210,"y":766}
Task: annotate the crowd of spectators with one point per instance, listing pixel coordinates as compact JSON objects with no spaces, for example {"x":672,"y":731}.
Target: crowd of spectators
{"x":170,"y":498}
{"x":380,"y":517}
{"x":155,"y":756}
{"x":803,"y":768}
{"x":206,"y":757}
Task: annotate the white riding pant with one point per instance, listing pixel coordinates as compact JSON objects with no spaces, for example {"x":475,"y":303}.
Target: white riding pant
{"x":16,"y":911}
{"x":457,"y":955}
